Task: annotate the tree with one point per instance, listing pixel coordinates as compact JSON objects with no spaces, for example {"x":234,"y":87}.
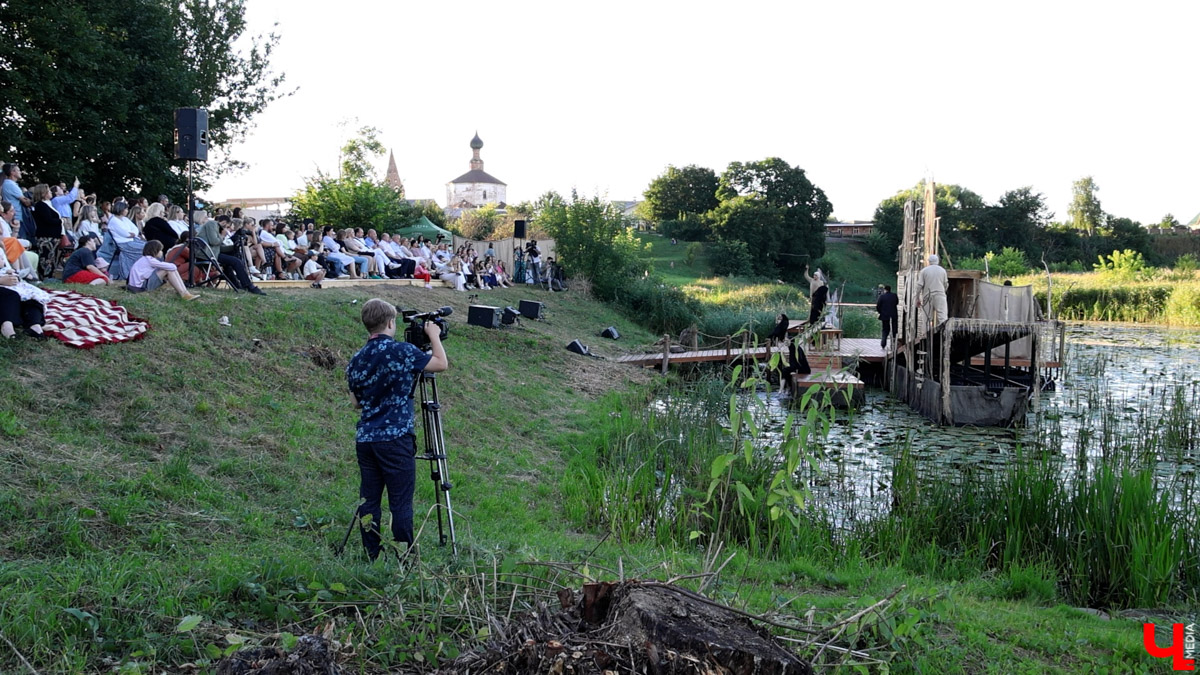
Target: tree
{"x":592,"y":241}
{"x":357,"y":153}
{"x":1085,"y":212}
{"x":355,"y":199}
{"x":1168,"y":222}
{"x":959,"y":212}
{"x":90,"y":88}
{"x":480,"y":224}
{"x":690,"y":190}
{"x":773,"y":208}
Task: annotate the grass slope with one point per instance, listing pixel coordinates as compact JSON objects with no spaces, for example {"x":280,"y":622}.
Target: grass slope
{"x":206,"y":470}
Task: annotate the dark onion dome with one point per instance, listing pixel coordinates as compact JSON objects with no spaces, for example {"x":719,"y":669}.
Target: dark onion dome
{"x":476,"y":143}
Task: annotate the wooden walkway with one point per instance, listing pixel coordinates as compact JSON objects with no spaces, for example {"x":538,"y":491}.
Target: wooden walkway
{"x":862,"y":349}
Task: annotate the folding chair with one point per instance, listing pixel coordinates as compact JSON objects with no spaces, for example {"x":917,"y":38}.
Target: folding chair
{"x":207,"y":263}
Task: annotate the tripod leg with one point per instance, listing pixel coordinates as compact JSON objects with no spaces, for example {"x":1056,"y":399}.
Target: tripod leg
{"x":349,"y":531}
{"x":435,"y":452}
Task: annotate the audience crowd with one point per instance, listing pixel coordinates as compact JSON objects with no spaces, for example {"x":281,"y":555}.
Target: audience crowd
{"x":60,"y":232}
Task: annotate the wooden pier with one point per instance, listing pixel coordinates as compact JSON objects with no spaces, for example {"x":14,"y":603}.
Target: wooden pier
{"x":861,"y":349}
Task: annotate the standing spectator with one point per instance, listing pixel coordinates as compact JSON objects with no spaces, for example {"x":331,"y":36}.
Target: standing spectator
{"x":13,"y":194}
{"x":887,"y":305}
{"x":49,"y":230}
{"x":81,"y":267}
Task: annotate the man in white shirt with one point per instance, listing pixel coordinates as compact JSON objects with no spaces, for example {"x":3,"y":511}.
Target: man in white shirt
{"x":932,"y":284}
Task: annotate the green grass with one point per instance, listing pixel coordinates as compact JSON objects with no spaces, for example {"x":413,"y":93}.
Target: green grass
{"x":206,"y":471}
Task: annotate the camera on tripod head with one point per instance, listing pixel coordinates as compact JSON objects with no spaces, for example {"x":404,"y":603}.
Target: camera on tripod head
{"x":415,"y":335}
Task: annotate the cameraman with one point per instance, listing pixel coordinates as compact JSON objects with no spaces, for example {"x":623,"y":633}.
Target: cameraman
{"x":381,"y":377}
{"x":535,"y":260}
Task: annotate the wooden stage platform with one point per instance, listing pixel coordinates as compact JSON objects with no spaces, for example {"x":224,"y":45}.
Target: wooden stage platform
{"x":862,"y":349}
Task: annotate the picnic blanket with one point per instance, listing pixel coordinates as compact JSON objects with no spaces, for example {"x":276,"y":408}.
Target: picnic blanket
{"x":84,"y":321}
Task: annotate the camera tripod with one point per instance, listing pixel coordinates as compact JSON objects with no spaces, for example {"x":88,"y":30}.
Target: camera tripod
{"x":435,"y":454}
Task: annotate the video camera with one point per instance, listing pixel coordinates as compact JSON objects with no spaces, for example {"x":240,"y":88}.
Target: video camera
{"x":415,"y":333}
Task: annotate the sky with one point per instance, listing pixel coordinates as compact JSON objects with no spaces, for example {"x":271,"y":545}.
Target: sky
{"x":867,"y":97}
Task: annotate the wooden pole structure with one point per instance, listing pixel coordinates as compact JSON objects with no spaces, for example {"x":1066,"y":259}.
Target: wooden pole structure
{"x":728,"y":348}
{"x":666,"y":353}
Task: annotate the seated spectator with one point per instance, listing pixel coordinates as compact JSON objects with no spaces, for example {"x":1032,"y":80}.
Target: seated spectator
{"x":157,"y":227}
{"x":123,"y":243}
{"x":21,"y":304}
{"x":554,"y":279}
{"x":333,"y":252}
{"x":501,"y":274}
{"x":292,"y":258}
{"x":355,"y":248}
{"x":16,"y":250}
{"x":151,"y":271}
{"x":81,"y":267}
{"x":177,"y":219}
{"x":313,"y":271}
{"x":88,"y":222}
{"x":211,"y":235}
{"x":485,"y":273}
{"x":455,"y":274}
{"x":421,"y":272}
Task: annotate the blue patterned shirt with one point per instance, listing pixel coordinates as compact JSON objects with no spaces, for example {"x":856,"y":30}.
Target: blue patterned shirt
{"x":381,"y":377}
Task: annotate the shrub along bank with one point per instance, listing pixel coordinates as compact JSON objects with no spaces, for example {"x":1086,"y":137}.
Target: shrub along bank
{"x":1099,"y":297}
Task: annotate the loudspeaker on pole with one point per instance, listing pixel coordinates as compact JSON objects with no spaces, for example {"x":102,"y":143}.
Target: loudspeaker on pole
{"x":191,"y":134}
{"x":518,"y":229}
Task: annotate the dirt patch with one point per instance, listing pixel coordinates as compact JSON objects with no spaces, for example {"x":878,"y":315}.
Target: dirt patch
{"x":312,"y":655}
{"x":598,"y":376}
{"x":630,"y":627}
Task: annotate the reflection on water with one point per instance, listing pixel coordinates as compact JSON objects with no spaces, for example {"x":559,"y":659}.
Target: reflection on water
{"x":1122,"y":390}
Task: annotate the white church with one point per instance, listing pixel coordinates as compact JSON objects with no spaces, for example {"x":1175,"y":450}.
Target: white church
{"x":475,"y":187}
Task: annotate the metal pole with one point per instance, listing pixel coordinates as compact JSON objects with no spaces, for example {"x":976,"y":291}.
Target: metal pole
{"x":191,"y":204}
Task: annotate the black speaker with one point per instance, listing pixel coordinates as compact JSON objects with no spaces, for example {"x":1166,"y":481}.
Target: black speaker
{"x":510,"y":316}
{"x":191,"y":134}
{"x":518,"y":229}
{"x":531,"y":310}
{"x":610,"y":333}
{"x":482,"y":315}
{"x":577,"y":347}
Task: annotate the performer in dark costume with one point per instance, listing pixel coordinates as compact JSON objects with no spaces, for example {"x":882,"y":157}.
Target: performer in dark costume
{"x":819,"y":291}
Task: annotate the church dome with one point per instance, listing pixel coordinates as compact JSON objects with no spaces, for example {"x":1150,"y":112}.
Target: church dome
{"x":476,"y":143}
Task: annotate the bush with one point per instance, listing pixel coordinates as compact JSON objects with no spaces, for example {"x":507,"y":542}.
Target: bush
{"x":1183,"y":307}
{"x":730,"y":259}
{"x":1185,"y":268}
{"x":1125,"y":265}
{"x":689,"y":254}
{"x":878,"y":245}
{"x":687,"y":228}
{"x":660,"y":307}
{"x":1010,"y":262}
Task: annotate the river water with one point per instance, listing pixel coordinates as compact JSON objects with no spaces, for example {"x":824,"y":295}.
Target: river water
{"x":1123,"y":389}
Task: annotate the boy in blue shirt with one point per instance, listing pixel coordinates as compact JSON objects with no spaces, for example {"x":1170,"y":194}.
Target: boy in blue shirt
{"x":381,"y":378}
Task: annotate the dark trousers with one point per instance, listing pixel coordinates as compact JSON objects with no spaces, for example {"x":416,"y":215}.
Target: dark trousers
{"x":888,"y":321}
{"x":235,"y":269}
{"x":20,"y":312}
{"x":391,"y":465}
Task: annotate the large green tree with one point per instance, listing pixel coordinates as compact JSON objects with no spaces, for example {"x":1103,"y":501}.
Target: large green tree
{"x":678,"y":193}
{"x":1085,"y":212}
{"x":89,"y":88}
{"x":959,"y":211}
{"x":776,"y":210}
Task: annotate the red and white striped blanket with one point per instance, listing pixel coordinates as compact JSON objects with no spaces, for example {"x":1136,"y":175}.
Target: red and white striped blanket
{"x":84,"y":321}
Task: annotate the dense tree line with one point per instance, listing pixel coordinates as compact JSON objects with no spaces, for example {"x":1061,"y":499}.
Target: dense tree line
{"x":1020,"y":221}
{"x":768,"y":207}
{"x":90,"y":88}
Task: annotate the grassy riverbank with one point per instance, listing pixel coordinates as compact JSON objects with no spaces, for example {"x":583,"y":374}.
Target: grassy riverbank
{"x":164,"y":500}
{"x":1169,"y":299}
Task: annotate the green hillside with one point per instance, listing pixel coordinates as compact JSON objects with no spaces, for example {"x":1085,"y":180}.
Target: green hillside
{"x":166,"y":500}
